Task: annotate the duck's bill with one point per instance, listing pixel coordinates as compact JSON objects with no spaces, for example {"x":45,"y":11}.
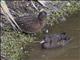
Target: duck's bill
{"x":42,"y":41}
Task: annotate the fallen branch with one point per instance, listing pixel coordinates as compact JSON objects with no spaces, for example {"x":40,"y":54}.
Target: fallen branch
{"x":10,"y":18}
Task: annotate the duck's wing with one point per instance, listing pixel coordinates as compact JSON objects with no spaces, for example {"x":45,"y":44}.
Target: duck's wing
{"x":25,"y":20}
{"x":55,"y":37}
{"x":26,"y":23}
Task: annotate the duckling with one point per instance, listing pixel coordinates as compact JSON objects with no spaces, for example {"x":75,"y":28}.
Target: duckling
{"x":32,"y":24}
{"x":55,"y":40}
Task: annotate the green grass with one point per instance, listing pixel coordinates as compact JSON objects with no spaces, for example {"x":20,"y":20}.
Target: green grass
{"x":13,"y":44}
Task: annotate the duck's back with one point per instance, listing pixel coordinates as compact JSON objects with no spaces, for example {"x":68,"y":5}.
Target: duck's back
{"x":28,"y":24}
{"x":56,"y":40}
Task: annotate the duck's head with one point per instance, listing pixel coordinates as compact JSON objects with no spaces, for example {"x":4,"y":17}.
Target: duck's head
{"x":42,"y":15}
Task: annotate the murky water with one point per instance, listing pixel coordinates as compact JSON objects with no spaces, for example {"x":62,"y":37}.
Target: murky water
{"x":70,"y":51}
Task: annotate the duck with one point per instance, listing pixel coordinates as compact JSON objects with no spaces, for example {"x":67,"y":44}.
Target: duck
{"x":32,"y":23}
{"x":55,"y":40}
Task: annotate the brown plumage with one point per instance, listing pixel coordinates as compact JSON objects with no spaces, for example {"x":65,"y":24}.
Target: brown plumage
{"x":32,"y":24}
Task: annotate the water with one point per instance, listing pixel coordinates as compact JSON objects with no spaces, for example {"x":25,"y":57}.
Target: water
{"x":70,"y":51}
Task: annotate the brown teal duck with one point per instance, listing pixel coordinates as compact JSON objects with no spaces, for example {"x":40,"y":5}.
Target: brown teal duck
{"x":55,"y":40}
{"x":32,"y":24}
